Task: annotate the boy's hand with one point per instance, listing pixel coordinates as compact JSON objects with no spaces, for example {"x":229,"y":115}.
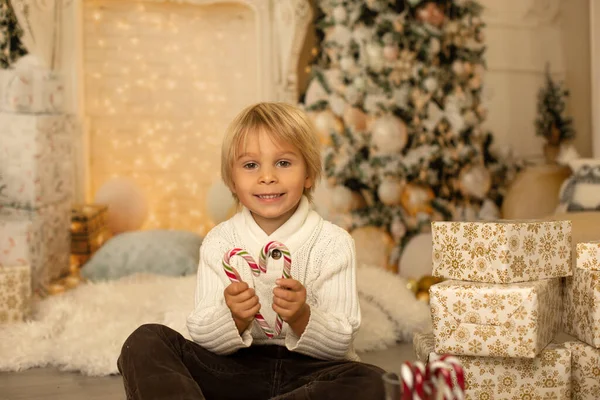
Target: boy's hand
{"x":289,"y":301}
{"x":243,"y":303}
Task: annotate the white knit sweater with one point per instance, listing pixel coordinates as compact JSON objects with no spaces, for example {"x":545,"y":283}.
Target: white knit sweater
{"x":323,"y":260}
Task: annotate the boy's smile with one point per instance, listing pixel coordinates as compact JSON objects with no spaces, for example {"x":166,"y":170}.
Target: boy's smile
{"x":269,"y":178}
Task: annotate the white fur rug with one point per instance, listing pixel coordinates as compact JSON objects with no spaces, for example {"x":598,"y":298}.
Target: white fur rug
{"x":84,"y":329}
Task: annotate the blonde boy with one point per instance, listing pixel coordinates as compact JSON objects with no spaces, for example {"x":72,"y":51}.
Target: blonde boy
{"x":270,"y":161}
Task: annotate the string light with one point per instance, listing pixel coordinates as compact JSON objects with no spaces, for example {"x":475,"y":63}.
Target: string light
{"x":166,"y":87}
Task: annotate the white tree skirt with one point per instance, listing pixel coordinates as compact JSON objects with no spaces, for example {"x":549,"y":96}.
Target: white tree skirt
{"x":84,"y":329}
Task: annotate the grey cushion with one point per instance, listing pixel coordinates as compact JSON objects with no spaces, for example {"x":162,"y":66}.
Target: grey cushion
{"x":165,"y":252}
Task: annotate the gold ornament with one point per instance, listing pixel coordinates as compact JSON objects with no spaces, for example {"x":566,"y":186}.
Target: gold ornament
{"x":412,"y":285}
{"x":399,"y":24}
{"x":355,"y":118}
{"x":423,"y":296}
{"x":326,"y":122}
{"x":373,"y":247}
{"x":427,"y":281}
{"x":416,"y":199}
{"x":314,"y":51}
{"x":432,"y":14}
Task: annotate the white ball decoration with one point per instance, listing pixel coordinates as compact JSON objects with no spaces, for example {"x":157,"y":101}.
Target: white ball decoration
{"x":391,"y":52}
{"x":475,"y":181}
{"x":127,"y":204}
{"x":315,"y":92}
{"x":389,"y":135}
{"x":397,"y":229}
{"x":347,"y":63}
{"x":341,"y":198}
{"x":326,"y":122}
{"x":390,"y":191}
{"x":430,"y":84}
{"x":416,"y":260}
{"x":220,"y":204}
{"x":340,"y":14}
{"x":375,"y":57}
{"x":458,"y":68}
{"x":337,"y":104}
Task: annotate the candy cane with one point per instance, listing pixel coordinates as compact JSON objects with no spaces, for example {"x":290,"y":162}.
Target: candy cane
{"x":265,"y":253}
{"x":408,"y":378}
{"x":458,"y":372}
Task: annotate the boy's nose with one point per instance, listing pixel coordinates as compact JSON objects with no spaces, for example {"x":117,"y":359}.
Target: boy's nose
{"x":268,"y":177}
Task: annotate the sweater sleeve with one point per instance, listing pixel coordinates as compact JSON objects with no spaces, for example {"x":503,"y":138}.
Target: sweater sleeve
{"x":211,"y":324}
{"x":334,"y":321}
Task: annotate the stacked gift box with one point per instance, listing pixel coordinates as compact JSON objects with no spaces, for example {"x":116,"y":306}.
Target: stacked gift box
{"x":502,"y":306}
{"x":582,"y":320}
{"x":36,"y":182}
{"x":89,"y":231}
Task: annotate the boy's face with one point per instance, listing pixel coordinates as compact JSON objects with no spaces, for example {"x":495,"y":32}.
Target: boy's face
{"x":269,"y":179}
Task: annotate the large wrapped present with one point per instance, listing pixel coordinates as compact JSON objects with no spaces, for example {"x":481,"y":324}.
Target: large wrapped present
{"x":36,"y":166}
{"x":496,"y":320}
{"x":89,"y":231}
{"x":503,"y":251}
{"x":582,"y":296}
{"x":40,"y":238}
{"x":585,"y":371}
{"x":15,"y":293}
{"x":31,"y":89}
{"x":547,"y":376}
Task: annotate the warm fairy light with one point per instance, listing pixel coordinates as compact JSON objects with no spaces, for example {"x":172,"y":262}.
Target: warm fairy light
{"x":159,"y":100}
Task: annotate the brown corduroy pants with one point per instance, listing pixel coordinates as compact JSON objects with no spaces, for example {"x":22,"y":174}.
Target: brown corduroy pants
{"x":159,"y":363}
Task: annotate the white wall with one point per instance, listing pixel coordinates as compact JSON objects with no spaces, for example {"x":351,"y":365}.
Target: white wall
{"x":522,"y":35}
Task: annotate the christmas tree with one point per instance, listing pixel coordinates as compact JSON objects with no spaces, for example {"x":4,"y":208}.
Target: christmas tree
{"x":552,"y":123}
{"x":10,"y":36}
{"x":396,"y":96}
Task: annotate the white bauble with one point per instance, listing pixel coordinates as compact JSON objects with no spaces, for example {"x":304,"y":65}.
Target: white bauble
{"x":397,"y":229}
{"x":127,"y":204}
{"x":430,"y":84}
{"x":315,"y":92}
{"x":347,"y":63}
{"x":342,"y":199}
{"x":390,"y":191}
{"x":375,"y":56}
{"x":434,"y":46}
{"x":475,"y":181}
{"x":470,"y":118}
{"x":220,"y":204}
{"x":389,"y":135}
{"x":416,"y":259}
{"x":391,"y":52}
{"x":489,"y":211}
{"x":458,"y":67}
{"x":326,"y":123}
{"x":359,"y":83}
{"x":337,"y":104}
{"x":340,"y":14}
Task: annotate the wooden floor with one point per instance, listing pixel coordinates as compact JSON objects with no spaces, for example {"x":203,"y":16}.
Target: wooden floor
{"x":51,"y":384}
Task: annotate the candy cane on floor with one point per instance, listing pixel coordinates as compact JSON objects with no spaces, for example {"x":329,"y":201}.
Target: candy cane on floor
{"x":265,"y":253}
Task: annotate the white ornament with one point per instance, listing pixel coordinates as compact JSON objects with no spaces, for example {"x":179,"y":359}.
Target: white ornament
{"x":458,"y":67}
{"x":353,"y":95}
{"x":397,"y":229}
{"x":390,"y":191}
{"x":430,"y":84}
{"x":326,"y":123}
{"x":489,"y":211}
{"x":470,"y":118}
{"x":337,"y":104}
{"x":391,"y":52}
{"x":347,"y":63}
{"x":375,"y":56}
{"x":359,"y":83}
{"x":340,"y":14}
{"x":315,"y":92}
{"x":389,"y":135}
{"x":434,"y":46}
{"x":475,"y":181}
{"x":416,"y":260}
{"x":342,"y":199}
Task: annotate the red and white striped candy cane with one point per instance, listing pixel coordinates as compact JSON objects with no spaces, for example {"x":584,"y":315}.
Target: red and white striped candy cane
{"x":440,"y":373}
{"x":265,"y":253}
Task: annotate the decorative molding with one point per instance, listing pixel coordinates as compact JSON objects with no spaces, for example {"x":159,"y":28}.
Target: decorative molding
{"x":523,"y":14}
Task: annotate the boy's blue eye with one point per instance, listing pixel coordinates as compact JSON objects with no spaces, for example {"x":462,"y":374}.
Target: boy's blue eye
{"x":250,"y":165}
{"x":283,"y":163}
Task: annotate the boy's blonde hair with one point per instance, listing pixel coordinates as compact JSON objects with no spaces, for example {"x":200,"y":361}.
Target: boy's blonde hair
{"x":281,"y":121}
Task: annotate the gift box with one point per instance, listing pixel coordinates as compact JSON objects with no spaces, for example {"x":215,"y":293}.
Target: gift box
{"x":585,"y":371}
{"x":503,"y":251}
{"x":89,"y":231}
{"x":496,"y":320}
{"x":547,"y":376}
{"x":31,"y":90}
{"x":15,"y":293}
{"x":36,"y":167}
{"x":40,"y":238}
{"x":582,"y":296}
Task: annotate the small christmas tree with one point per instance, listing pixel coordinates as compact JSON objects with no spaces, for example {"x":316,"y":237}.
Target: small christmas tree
{"x":552,"y":123}
{"x":10,"y":36}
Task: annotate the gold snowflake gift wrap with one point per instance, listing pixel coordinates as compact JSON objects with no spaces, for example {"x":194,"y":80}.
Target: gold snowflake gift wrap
{"x":547,"y":376}
{"x":502,"y":252}
{"x":585,"y":371}
{"x":582,"y":296}
{"x":496,"y":320}
{"x":15,"y":293}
